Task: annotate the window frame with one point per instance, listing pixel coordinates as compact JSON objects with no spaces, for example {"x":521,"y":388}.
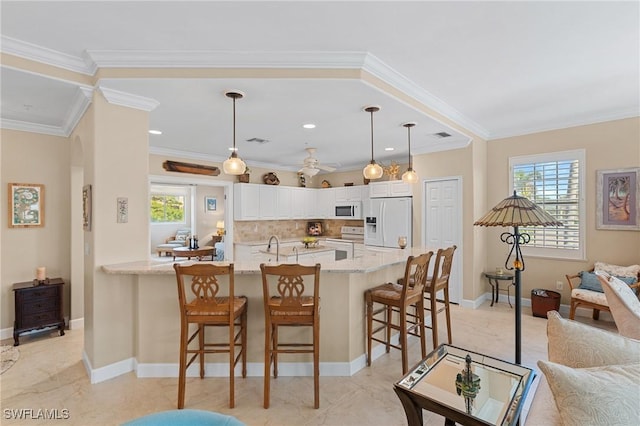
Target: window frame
{"x":162,"y":190}
{"x":571,"y":155}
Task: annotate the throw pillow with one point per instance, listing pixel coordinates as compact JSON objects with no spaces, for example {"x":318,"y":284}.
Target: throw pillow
{"x":580,"y":345}
{"x":181,"y":237}
{"x":590,"y":281}
{"x":619,"y":271}
{"x":595,"y":396}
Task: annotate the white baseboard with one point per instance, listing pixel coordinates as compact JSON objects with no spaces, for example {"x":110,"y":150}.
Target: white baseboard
{"x":6,"y":333}
{"x":107,"y":372}
{"x":76,"y":324}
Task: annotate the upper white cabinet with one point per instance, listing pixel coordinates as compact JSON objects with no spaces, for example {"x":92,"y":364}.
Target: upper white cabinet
{"x":390,"y":188}
{"x":326,"y":199}
{"x":268,"y":201}
{"x":297,"y":203}
{"x":348,"y":193}
{"x":246,"y":201}
{"x":283,"y":203}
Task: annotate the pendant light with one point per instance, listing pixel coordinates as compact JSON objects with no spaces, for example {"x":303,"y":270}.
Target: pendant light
{"x":409,"y":176}
{"x":234,"y":165}
{"x":372,"y":170}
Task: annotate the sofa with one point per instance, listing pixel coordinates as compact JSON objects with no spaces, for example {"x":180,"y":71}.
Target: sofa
{"x":178,"y":240}
{"x":592,"y":377}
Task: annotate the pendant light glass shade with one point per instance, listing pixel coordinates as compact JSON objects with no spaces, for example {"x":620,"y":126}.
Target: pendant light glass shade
{"x":372,"y":170}
{"x":234,"y":165}
{"x":410,"y":176}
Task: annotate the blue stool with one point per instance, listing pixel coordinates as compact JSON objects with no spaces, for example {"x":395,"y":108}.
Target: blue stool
{"x":184,"y":418}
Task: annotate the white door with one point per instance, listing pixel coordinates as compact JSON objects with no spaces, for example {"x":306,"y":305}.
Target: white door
{"x":442,"y":225}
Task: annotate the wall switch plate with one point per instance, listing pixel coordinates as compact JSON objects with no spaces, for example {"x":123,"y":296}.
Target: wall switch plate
{"x":559,"y":285}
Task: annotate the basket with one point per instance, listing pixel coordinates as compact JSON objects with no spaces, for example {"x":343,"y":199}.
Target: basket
{"x":543,"y":301}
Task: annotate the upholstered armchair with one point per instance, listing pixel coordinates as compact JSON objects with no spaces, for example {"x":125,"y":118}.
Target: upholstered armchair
{"x":586,"y":290}
{"x":623,"y":303}
{"x":180,"y":239}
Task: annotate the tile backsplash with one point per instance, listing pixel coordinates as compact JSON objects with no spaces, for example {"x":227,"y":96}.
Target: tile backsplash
{"x":246,"y":231}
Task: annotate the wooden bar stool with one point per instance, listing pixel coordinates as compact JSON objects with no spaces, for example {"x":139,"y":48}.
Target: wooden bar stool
{"x":439,"y":281}
{"x":288,"y":303}
{"x":202,"y":303}
{"x":398,"y":298}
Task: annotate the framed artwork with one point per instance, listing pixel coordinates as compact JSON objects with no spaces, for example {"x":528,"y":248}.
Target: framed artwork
{"x":618,"y":194}
{"x":210,"y":204}
{"x":86,"y":207}
{"x":26,"y":205}
{"x":123,"y":210}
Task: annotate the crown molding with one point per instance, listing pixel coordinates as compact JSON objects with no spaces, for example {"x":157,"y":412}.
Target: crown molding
{"x":47,"y":56}
{"x":564,"y":124}
{"x":26,"y":126}
{"x":117,"y":97}
{"x":168,"y":152}
{"x":226,"y":59}
{"x":381,"y":70}
{"x":80,"y":103}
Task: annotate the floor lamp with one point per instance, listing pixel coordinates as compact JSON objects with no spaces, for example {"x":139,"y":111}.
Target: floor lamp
{"x":517,"y":211}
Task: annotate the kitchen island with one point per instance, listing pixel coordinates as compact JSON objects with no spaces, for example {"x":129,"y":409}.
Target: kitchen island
{"x":156,"y":326}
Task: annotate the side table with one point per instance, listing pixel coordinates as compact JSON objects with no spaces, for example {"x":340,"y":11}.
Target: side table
{"x":494,"y":280}
{"x":495,"y":395}
{"x":200,"y":252}
{"x":38,"y":306}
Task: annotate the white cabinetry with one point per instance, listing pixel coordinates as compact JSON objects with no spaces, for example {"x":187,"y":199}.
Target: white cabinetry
{"x":392,"y":188}
{"x":268,"y":201}
{"x":283,"y":203}
{"x":348,"y":193}
{"x":326,"y":199}
{"x":297,"y":203}
{"x":246,"y":201}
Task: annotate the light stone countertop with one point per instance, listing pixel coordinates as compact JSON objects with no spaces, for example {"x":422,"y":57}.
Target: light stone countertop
{"x":373,"y":259}
{"x":281,"y":240}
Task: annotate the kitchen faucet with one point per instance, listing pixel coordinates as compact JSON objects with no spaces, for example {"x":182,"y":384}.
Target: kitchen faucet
{"x":295,"y":249}
{"x":277,"y":246}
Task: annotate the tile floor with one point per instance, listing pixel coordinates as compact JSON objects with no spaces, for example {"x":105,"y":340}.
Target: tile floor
{"x":50,"y":375}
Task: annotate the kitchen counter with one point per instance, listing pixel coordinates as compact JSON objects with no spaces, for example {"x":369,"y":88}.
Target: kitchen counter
{"x":154,"y":329}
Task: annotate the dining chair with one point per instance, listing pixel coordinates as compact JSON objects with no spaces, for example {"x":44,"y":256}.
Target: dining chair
{"x":291,"y":299}
{"x":390,"y":300}
{"x":203,"y":303}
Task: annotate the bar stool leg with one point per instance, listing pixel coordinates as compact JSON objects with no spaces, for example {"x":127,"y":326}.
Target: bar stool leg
{"x":201,"y":345}
{"x":448,"y":312}
{"x":369,"y":305}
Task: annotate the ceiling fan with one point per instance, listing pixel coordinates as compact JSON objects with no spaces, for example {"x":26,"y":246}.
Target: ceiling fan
{"x":310,"y":165}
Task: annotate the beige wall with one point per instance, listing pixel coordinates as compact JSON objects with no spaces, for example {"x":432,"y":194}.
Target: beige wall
{"x":35,"y":158}
{"x":609,"y":145}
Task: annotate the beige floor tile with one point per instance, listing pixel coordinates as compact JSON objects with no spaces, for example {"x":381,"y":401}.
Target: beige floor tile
{"x":50,"y":375}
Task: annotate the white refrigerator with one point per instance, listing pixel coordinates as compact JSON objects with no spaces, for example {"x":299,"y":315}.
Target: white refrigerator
{"x":386,"y":220}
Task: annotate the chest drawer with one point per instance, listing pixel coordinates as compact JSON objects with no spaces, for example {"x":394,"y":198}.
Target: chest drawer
{"x":37,"y":307}
{"x":38,"y":293}
{"x":40,"y":305}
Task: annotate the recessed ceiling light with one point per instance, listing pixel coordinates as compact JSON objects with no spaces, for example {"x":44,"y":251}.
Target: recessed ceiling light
{"x":309,"y":126}
{"x":389,"y":149}
{"x":155,"y":132}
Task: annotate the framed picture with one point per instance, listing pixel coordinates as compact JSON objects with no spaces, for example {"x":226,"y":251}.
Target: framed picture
{"x":618,"y":194}
{"x":210,"y":204}
{"x":26,"y":205}
{"x":122,"y":209}
{"x":86,"y":207}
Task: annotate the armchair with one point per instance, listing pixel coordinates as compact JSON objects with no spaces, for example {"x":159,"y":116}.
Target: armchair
{"x":586,"y":290}
{"x":624,"y":305}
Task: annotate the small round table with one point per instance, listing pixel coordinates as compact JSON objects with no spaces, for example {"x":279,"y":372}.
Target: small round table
{"x":494,"y":280}
{"x":200,"y":252}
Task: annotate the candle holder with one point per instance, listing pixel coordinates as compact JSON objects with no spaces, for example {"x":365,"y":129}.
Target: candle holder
{"x":402,"y":242}
{"x":37,"y":282}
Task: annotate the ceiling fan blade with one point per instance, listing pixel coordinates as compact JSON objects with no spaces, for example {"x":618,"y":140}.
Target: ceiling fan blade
{"x":326,"y":168}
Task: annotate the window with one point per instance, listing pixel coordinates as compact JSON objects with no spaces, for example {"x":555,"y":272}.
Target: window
{"x":554,"y":182}
{"x":167,"y":205}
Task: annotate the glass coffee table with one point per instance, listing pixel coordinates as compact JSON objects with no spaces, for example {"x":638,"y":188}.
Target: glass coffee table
{"x":465,"y":387}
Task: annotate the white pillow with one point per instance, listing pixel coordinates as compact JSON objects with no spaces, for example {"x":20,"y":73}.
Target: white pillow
{"x":607,"y":395}
{"x":619,"y":271}
{"x":580,"y":345}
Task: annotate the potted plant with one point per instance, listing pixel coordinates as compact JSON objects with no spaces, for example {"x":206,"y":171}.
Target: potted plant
{"x":244,"y":178}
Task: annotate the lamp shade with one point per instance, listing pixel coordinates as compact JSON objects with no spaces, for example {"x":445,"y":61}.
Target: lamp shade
{"x":220,"y":224}
{"x":517,"y":211}
{"x":410,"y":176}
{"x":372,"y":171}
{"x":234,"y":165}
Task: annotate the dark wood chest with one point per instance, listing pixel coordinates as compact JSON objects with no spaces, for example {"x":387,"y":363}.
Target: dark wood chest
{"x":38,"y":307}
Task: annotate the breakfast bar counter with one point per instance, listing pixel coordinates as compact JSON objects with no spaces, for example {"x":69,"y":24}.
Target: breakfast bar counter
{"x":156,"y":324}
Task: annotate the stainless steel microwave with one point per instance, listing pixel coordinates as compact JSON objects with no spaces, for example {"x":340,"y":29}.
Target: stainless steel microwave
{"x":348,"y":210}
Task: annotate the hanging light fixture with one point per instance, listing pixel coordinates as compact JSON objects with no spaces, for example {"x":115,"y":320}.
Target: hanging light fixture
{"x":234,"y":165}
{"x":410,"y":176}
{"x":372,"y":170}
